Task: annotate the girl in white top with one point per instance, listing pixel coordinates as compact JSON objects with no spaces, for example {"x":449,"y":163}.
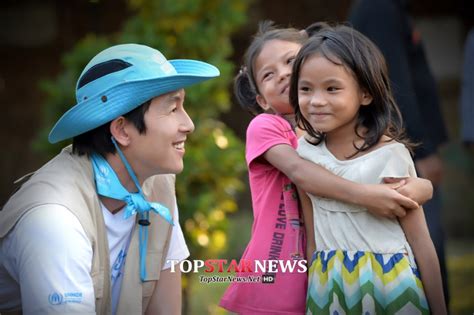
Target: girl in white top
{"x":362,"y":264}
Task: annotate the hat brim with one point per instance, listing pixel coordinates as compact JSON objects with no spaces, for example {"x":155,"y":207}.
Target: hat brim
{"x":122,"y":98}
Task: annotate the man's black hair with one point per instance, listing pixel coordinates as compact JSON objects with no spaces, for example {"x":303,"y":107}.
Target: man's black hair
{"x":99,"y":141}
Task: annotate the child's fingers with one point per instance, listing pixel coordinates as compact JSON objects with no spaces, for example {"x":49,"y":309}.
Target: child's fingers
{"x":394,"y":183}
{"x":407,"y":203}
{"x":399,"y":212}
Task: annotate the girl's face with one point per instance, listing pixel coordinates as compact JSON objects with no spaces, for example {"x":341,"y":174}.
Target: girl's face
{"x":272,"y":74}
{"x":329,"y":96}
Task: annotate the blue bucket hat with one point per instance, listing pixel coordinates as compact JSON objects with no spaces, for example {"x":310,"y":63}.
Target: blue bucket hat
{"x":121,"y":78}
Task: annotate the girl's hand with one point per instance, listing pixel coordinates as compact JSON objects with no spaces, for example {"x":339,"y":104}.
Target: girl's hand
{"x":385,"y":201}
{"x":417,"y":189}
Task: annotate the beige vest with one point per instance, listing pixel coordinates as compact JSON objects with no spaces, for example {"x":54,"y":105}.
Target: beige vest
{"x":68,"y":180}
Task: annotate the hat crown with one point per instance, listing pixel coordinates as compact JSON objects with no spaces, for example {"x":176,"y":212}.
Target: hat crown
{"x":144,"y":63}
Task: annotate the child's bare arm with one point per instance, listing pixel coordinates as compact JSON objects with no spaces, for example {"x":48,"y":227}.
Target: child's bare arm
{"x":307,"y":209}
{"x":378,"y":199}
{"x":418,"y":236}
{"x":417,"y":189}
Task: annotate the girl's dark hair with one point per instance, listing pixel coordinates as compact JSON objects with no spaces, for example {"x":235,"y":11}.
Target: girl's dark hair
{"x":99,"y":141}
{"x":315,"y":27}
{"x":245,"y":86}
{"x":347,"y":47}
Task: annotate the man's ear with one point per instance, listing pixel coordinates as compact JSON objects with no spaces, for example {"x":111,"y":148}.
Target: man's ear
{"x":119,"y":130}
{"x":262,"y":102}
{"x":366,"y":98}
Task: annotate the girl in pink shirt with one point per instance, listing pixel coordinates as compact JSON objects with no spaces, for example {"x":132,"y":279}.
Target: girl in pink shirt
{"x":278,"y":233}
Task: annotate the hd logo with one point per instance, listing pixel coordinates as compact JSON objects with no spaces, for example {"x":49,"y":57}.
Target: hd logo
{"x":268,"y":278}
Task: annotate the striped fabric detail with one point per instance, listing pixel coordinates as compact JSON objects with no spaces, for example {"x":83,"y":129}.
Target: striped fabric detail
{"x":357,"y":282}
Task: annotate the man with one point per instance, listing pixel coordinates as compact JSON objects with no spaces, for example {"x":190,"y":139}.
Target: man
{"x":91,"y":231}
{"x":388,"y":25}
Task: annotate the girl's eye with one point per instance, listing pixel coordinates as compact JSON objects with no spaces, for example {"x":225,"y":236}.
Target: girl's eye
{"x":304,"y":89}
{"x":332,"y":89}
{"x":290,"y":60}
{"x":174,"y":109}
{"x":266,"y":76}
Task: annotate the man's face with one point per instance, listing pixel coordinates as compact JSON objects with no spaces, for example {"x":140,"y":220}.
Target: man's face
{"x":160,"y":149}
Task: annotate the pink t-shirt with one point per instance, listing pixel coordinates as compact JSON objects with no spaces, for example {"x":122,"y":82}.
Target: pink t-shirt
{"x":277,"y":231}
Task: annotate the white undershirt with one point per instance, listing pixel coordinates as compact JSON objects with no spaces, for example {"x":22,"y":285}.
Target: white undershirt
{"x":45,"y":261}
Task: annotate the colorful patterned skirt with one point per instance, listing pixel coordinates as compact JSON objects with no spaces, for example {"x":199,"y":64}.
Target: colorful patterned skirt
{"x":363,"y":283}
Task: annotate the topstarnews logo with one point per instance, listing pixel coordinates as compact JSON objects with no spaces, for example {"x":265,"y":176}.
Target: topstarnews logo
{"x":243,"y":265}
{"x":247,"y":271}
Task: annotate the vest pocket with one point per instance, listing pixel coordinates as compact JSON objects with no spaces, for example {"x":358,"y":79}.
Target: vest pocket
{"x":154,"y":262}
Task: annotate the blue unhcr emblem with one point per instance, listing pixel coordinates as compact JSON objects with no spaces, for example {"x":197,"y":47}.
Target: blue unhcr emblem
{"x":55,"y":298}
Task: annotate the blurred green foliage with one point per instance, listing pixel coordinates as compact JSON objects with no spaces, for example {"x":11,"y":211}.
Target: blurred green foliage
{"x":461,"y":274}
{"x":214,"y":161}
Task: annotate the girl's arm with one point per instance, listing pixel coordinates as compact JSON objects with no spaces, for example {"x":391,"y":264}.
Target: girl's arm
{"x":307,"y":209}
{"x":378,"y":199}
{"x":417,"y":189}
{"x":418,"y":236}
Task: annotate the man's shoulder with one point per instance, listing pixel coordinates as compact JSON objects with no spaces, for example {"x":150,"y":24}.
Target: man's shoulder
{"x":66,"y":168}
{"x":65,"y":180}
{"x":63,"y":177}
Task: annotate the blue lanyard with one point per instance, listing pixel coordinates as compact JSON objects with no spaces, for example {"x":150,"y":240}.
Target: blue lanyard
{"x":108,"y":185}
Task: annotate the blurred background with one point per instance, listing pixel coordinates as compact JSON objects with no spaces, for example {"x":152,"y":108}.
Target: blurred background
{"x":45,"y":44}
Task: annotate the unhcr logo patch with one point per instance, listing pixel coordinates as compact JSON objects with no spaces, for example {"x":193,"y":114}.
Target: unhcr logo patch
{"x":55,"y":298}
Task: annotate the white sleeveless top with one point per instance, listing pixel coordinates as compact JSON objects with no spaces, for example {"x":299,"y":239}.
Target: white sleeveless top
{"x":339,"y":225}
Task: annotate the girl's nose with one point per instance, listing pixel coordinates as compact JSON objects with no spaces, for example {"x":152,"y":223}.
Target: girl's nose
{"x":318,"y":99}
{"x":285,"y":72}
